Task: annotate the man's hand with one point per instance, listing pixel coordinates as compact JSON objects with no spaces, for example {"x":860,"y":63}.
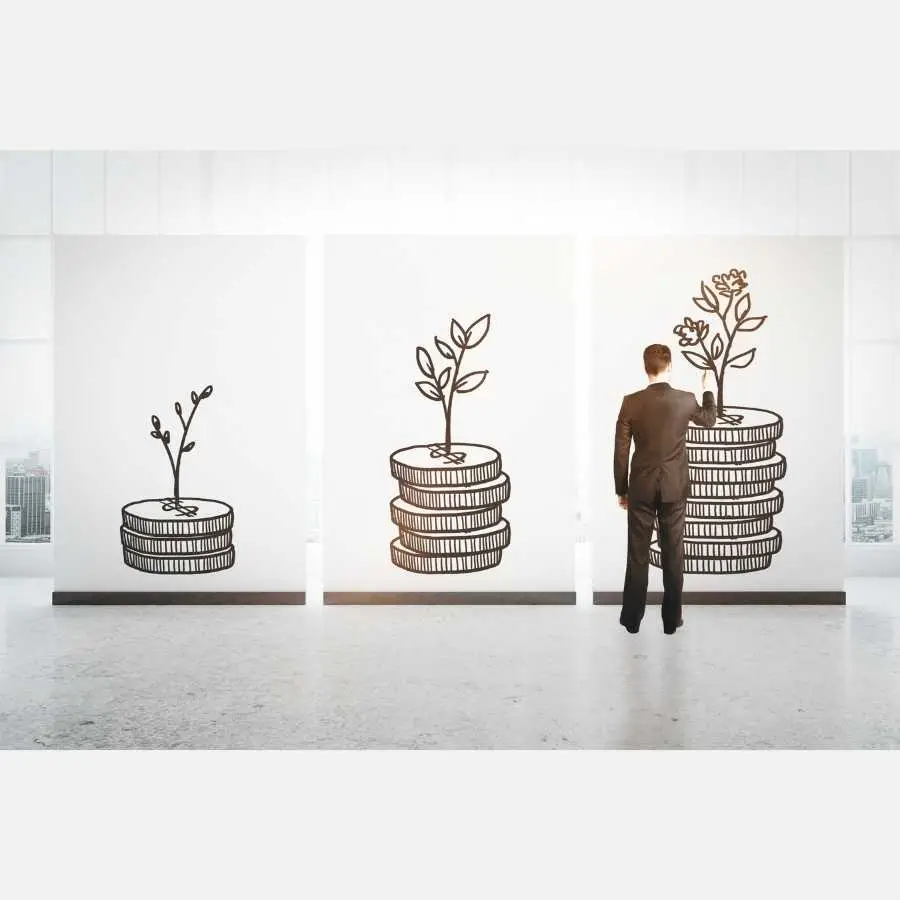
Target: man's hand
{"x":623,"y":502}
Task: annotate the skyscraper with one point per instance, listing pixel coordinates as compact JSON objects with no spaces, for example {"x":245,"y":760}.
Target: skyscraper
{"x":28,"y":491}
{"x":883,"y":488}
{"x":865,"y":462}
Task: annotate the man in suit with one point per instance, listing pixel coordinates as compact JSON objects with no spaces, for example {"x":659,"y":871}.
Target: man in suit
{"x":657,"y":420}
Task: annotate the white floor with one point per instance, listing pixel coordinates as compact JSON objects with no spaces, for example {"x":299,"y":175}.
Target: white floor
{"x":448,"y":677}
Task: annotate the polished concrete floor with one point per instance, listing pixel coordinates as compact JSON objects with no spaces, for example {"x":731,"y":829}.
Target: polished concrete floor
{"x":448,"y":677}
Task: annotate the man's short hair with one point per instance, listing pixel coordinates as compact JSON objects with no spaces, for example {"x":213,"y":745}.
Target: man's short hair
{"x":657,"y":358}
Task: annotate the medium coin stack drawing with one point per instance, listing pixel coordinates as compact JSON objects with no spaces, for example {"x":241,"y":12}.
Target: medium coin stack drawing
{"x":734,"y":466}
{"x":190,"y":536}
{"x":449,"y":511}
{"x":450,"y":508}
{"x":178,"y":535}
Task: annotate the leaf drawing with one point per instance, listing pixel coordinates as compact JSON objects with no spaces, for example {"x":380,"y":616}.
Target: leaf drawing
{"x":742,"y":360}
{"x":429,"y":390}
{"x":471,"y":381}
{"x":751,"y":323}
{"x":477,"y":331}
{"x":444,"y":349}
{"x":423,"y":360}
{"x":696,"y":360}
{"x":445,"y":386}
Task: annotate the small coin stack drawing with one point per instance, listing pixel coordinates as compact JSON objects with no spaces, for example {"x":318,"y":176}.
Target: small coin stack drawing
{"x":734,"y":466}
{"x":178,"y":535}
{"x":449,"y":511}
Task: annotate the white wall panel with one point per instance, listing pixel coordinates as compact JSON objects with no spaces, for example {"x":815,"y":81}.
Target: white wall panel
{"x":26,"y":301}
{"x":874,"y":289}
{"x":712,"y":193}
{"x":359,"y":193}
{"x":633,"y":193}
{"x":824,"y":192}
{"x":875,"y":198}
{"x":242,"y":192}
{"x":769,"y":193}
{"x":420,"y":189}
{"x":25,"y":192}
{"x":299,"y":190}
{"x":79,"y":191}
{"x":132,"y":193}
{"x":511,"y":193}
{"x":185,"y":180}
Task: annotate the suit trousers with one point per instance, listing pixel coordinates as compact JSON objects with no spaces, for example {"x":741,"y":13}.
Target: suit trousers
{"x":641,"y":516}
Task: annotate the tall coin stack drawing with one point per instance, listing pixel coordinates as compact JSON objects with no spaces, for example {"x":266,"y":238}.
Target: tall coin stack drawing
{"x":449,"y":511}
{"x":178,"y":535}
{"x":734,"y":466}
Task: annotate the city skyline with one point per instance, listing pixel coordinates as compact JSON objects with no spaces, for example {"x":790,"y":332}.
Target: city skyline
{"x":871,"y":497}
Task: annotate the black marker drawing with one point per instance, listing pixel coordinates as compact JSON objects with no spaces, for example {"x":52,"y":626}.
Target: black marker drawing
{"x":734,"y":466}
{"x":178,"y":535}
{"x":450,"y":508}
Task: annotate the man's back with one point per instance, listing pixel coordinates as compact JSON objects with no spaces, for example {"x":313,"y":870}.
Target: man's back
{"x":657,"y":419}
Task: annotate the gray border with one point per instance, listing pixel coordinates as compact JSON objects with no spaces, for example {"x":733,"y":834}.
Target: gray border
{"x":732,"y":598}
{"x":179,"y":598}
{"x":448,"y":598}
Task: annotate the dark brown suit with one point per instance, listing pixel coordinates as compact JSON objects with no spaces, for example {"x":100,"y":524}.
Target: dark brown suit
{"x":657,"y":420}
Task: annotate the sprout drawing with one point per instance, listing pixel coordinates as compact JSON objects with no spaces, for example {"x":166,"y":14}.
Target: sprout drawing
{"x":183,"y":447}
{"x":178,"y":535}
{"x":449,"y":511}
{"x":443,"y":386}
{"x":728,"y":295}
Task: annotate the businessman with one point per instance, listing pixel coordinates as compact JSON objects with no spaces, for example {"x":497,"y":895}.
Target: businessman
{"x":657,"y":420}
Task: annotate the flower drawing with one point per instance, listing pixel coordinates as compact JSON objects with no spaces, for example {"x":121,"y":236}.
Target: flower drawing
{"x":730,"y":298}
{"x":731,"y":282}
{"x":691,"y":333}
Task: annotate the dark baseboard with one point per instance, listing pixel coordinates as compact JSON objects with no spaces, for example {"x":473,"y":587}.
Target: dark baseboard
{"x":455,"y":598}
{"x":179,"y":598}
{"x":732,"y":598}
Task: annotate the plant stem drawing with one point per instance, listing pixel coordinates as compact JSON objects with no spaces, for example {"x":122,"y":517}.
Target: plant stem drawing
{"x":165,"y":437}
{"x":449,"y":511}
{"x":734,"y":466}
{"x":730,"y":295}
{"x":435,"y":388}
{"x":176,"y":535}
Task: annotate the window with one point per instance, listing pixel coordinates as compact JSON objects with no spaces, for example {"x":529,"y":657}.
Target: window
{"x":26,"y":390}
{"x":874,"y":378}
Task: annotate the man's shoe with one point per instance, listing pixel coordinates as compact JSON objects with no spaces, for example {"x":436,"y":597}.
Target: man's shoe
{"x":632,"y":629}
{"x":669,"y":629}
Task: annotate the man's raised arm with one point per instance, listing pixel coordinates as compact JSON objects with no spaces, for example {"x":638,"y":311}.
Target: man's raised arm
{"x":705,"y":416}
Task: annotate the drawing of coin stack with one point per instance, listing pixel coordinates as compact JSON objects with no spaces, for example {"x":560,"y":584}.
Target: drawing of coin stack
{"x":449,"y":511}
{"x":734,"y":466}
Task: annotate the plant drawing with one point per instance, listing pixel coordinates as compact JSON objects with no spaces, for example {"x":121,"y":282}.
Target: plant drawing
{"x":178,"y":535}
{"x":735,"y":467}
{"x":728,"y":295}
{"x":183,"y":447}
{"x":444,"y":386}
{"x":449,"y":511}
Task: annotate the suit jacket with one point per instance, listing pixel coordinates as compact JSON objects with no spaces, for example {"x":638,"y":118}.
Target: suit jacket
{"x":657,"y":420}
